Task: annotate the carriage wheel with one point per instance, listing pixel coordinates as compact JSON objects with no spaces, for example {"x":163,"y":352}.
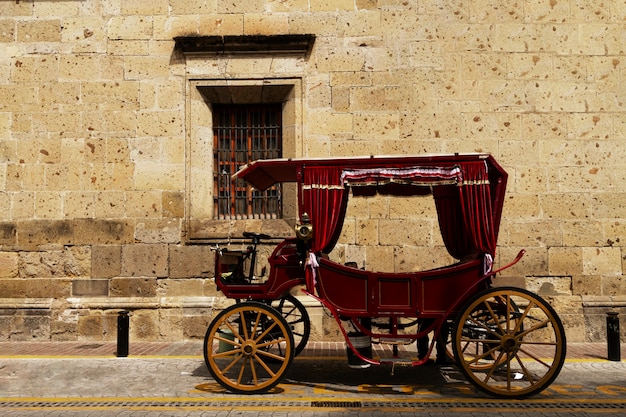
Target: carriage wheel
{"x":517,"y":340}
{"x":493,"y":317}
{"x":297,"y":317}
{"x":248,"y":347}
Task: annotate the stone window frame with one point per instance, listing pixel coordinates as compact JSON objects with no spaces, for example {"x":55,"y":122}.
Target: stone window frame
{"x":230,"y":69}
{"x":202,"y":93}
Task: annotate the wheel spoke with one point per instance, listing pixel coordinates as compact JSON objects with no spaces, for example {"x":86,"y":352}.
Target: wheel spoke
{"x":525,"y":371}
{"x":535,"y":327}
{"x":244,"y":325}
{"x":256,"y":324}
{"x":494,"y":316}
{"x":536,"y":358}
{"x":521,"y":319}
{"x":241,"y":372}
{"x":270,"y":355}
{"x":264,"y":365}
{"x":234,"y":331}
{"x":233,"y":363}
{"x":253,"y":369}
{"x":265,"y":333}
{"x":483,"y":326}
{"x":492,"y":369}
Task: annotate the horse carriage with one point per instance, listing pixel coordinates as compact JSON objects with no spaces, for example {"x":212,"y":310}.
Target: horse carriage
{"x":507,"y":341}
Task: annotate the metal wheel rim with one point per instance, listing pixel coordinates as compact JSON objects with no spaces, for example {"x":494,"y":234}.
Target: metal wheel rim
{"x":522,"y":355}
{"x":248,"y":358}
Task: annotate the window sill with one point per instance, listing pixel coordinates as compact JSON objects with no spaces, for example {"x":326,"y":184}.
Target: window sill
{"x":207,"y":231}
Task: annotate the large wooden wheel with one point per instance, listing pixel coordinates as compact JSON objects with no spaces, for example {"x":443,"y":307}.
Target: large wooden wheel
{"x":509,"y":342}
{"x":294,"y":312}
{"x":248,"y":347}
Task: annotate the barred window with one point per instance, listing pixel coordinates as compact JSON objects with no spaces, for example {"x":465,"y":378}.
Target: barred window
{"x":242,"y":134}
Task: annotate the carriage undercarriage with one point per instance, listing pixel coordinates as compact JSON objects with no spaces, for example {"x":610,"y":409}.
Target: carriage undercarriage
{"x":507,"y":341}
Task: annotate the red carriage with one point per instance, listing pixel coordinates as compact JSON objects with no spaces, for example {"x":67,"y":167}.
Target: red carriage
{"x":507,"y":341}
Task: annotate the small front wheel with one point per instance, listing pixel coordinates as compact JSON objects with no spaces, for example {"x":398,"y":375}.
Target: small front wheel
{"x":248,"y":347}
{"x":509,"y":342}
{"x":296,"y":316}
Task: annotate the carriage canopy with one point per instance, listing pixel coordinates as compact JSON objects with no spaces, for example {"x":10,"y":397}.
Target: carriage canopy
{"x":468,"y":190}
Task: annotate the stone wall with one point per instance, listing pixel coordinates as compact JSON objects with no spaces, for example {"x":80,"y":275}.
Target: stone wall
{"x":105,"y":136}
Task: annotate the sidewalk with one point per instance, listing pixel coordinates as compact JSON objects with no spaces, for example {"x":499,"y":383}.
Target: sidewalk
{"x":193,"y":348}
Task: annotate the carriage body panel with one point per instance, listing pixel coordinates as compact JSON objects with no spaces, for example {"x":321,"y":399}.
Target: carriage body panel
{"x":360,"y":293}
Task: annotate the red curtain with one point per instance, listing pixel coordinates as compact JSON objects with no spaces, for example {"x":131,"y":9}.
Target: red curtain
{"x":451,"y":224}
{"x":476,"y":203}
{"x":324,"y":198}
{"x":465,"y":214}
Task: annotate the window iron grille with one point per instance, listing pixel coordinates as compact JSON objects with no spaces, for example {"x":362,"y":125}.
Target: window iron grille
{"x":242,"y":134}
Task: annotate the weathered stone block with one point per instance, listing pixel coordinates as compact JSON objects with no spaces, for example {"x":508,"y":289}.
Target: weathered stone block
{"x":130,"y":27}
{"x":602,"y":261}
{"x":191,"y":261}
{"x":8,"y":233}
{"x":195,"y":326}
{"x":97,"y":326}
{"x":102,"y":231}
{"x":595,"y":322}
{"x":106,"y":261}
{"x":142,"y":260}
{"x":42,"y":232}
{"x":173,"y":204}
{"x":159,"y":176}
{"x":143,"y":204}
{"x":62,"y":331}
{"x":144,"y":325}
{"x":584,"y":233}
{"x":381,"y":126}
{"x":40,"y":30}
{"x":111,"y":95}
{"x":613,"y":285}
{"x":110,"y":121}
{"x":549,"y":286}
{"x":221,"y":24}
{"x":133,"y":287}
{"x":405,"y":232}
{"x":137,"y":68}
{"x":566,"y":206}
{"x":141,"y":8}
{"x":379,"y":258}
{"x":586,"y":285}
{"x":90,"y":287}
{"x":565,"y":261}
{"x":158,"y":231}
{"x":367,"y":232}
{"x":181,"y":287}
{"x":33,"y":326}
{"x":9,"y":264}
{"x":265,"y":24}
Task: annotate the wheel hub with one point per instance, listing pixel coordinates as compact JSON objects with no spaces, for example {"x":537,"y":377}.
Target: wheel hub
{"x":248,"y":348}
{"x":509,"y":343}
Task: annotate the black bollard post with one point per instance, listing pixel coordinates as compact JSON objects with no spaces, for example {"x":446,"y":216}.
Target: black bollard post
{"x":612,"y":336}
{"x":123,"y":326}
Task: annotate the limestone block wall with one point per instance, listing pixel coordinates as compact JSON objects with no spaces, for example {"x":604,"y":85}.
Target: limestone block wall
{"x":105,"y":146}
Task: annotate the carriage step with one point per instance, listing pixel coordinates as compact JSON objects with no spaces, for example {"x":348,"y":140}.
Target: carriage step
{"x":394,"y":341}
{"x":397,"y":361}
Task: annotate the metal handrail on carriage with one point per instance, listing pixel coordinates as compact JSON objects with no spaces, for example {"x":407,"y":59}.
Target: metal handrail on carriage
{"x":507,"y":341}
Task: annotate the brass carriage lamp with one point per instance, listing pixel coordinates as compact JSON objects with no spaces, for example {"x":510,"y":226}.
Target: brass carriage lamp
{"x":304,"y":229}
